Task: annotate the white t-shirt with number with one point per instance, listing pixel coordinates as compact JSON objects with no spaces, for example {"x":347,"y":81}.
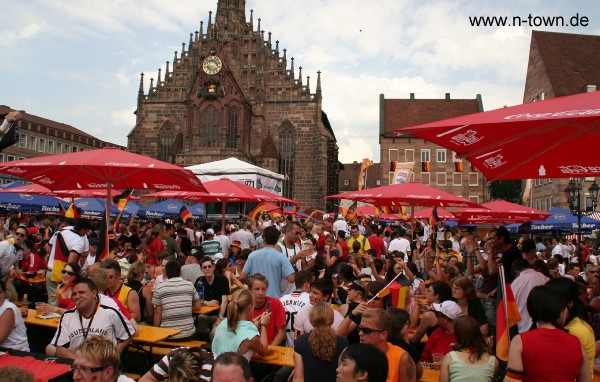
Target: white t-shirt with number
{"x":292,"y":303}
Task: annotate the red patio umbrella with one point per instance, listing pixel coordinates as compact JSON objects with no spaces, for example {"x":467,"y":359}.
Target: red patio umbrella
{"x":225,"y":190}
{"x":406,"y":194}
{"x":555,"y":138}
{"x":104,"y":169}
{"x":37,"y":189}
{"x":501,"y":210}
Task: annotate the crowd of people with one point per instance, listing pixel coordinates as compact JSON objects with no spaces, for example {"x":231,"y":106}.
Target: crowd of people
{"x":323,"y":288}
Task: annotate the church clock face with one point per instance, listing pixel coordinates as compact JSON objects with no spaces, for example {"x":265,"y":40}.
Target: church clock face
{"x":212,"y":65}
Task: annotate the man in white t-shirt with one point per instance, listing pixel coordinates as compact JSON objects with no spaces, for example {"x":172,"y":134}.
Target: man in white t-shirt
{"x":293,"y":302}
{"x":87,"y":319}
{"x":400,"y":244}
{"x":341,"y":225}
{"x":320,"y":291}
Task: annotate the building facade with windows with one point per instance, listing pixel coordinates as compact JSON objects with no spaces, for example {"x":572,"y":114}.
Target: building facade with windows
{"x":233,"y":92}
{"x":40,"y":136}
{"x":560,"y":64}
{"x":433,"y":165}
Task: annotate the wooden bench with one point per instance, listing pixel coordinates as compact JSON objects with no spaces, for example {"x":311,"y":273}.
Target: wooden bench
{"x":163,"y":348}
{"x":132,"y":376}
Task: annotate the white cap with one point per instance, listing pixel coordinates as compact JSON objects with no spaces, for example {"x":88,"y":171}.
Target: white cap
{"x":340,"y":216}
{"x":210,"y":231}
{"x":449,"y":308}
{"x":218,"y":256}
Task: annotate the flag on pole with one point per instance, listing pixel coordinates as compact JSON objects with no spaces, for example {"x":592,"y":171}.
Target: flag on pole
{"x":256,"y":211}
{"x":120,"y":201}
{"x":434,"y":218}
{"x":527,"y":191}
{"x":426,"y":166}
{"x":350,"y":214}
{"x":71,"y":213}
{"x":507,"y":316}
{"x":362,"y":176}
{"x":185,"y":213}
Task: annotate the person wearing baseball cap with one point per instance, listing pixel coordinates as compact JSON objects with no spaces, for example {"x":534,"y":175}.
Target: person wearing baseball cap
{"x":442,"y":339}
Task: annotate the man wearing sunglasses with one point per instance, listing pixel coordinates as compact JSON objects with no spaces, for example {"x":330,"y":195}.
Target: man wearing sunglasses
{"x":216,"y":291}
{"x":11,"y":252}
{"x":375,"y":328}
{"x":97,"y":360}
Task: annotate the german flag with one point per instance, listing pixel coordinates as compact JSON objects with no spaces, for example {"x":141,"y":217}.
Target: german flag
{"x":507,"y":316}
{"x":393,"y":166}
{"x":71,"y":213}
{"x":434,"y":218}
{"x":185,"y":213}
{"x":120,"y":201}
{"x":351,"y":212}
{"x":61,"y":257}
{"x":256,"y":211}
{"x":458,"y":166}
{"x":426,"y":166}
{"x":473,"y":168}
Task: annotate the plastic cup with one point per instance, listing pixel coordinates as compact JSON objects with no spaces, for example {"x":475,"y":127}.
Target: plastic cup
{"x":39,"y":307}
{"x":437,"y":360}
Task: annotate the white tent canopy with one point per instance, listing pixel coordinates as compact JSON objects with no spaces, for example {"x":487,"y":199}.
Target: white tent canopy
{"x":240,"y":171}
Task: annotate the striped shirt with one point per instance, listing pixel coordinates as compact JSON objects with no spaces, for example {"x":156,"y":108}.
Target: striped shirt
{"x":160,"y":371}
{"x":176,"y":296}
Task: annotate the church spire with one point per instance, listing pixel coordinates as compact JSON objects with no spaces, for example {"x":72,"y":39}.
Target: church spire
{"x":318,"y":90}
{"x":141,"y":89}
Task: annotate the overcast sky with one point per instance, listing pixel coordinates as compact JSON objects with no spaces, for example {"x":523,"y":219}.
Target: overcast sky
{"x":78,"y":62}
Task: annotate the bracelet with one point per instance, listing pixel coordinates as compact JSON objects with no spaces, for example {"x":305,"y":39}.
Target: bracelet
{"x":261,"y":325}
{"x":350,"y":315}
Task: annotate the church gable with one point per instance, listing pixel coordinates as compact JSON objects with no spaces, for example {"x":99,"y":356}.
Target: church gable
{"x":232,"y":91}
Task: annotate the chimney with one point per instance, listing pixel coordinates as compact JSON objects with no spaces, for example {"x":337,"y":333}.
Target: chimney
{"x":447,"y":97}
{"x":412,"y":97}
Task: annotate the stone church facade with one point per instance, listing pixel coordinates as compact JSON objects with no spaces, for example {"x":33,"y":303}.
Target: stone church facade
{"x":232,"y":92}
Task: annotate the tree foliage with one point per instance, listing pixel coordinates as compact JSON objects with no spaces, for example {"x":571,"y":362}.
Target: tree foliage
{"x":509,"y":190}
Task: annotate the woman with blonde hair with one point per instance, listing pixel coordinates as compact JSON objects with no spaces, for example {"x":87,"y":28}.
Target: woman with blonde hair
{"x":237,"y":333}
{"x":316,"y":353}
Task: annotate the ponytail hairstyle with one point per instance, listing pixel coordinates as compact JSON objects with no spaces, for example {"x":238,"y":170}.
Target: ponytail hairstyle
{"x":322,"y":339}
{"x":241,"y":300}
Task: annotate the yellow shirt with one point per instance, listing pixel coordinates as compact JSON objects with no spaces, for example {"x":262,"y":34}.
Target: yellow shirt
{"x":585,"y":333}
{"x":364,"y":244}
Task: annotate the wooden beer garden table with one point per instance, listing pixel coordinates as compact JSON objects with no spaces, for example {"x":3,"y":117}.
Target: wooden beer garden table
{"x":206,"y":309}
{"x":148,"y":334}
{"x":278,"y":355}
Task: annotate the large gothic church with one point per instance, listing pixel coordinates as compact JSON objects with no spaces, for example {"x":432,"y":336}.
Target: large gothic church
{"x":231,"y":92}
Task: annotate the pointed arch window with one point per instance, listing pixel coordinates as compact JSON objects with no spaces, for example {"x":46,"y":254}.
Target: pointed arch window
{"x":287,"y":149}
{"x":166,"y":139}
{"x":209,"y":128}
{"x":232,"y":128}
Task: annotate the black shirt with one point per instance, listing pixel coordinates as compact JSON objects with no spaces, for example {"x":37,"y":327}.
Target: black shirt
{"x":507,"y":259}
{"x":216,"y":290}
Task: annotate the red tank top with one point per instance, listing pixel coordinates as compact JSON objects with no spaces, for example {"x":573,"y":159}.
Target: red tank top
{"x":550,"y":355}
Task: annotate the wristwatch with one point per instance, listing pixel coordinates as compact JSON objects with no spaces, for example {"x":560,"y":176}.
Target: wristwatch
{"x":221,"y":318}
{"x":263,"y":325}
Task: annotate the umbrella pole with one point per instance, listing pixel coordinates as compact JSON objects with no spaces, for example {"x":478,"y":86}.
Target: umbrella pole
{"x":107,"y":211}
{"x":412,"y":219}
{"x":223,"y":218}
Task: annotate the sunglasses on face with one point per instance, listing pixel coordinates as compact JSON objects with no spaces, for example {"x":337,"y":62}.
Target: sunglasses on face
{"x":368,"y":330}
{"x":207,"y":266}
{"x":65,"y":272}
{"x":21,"y":234}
